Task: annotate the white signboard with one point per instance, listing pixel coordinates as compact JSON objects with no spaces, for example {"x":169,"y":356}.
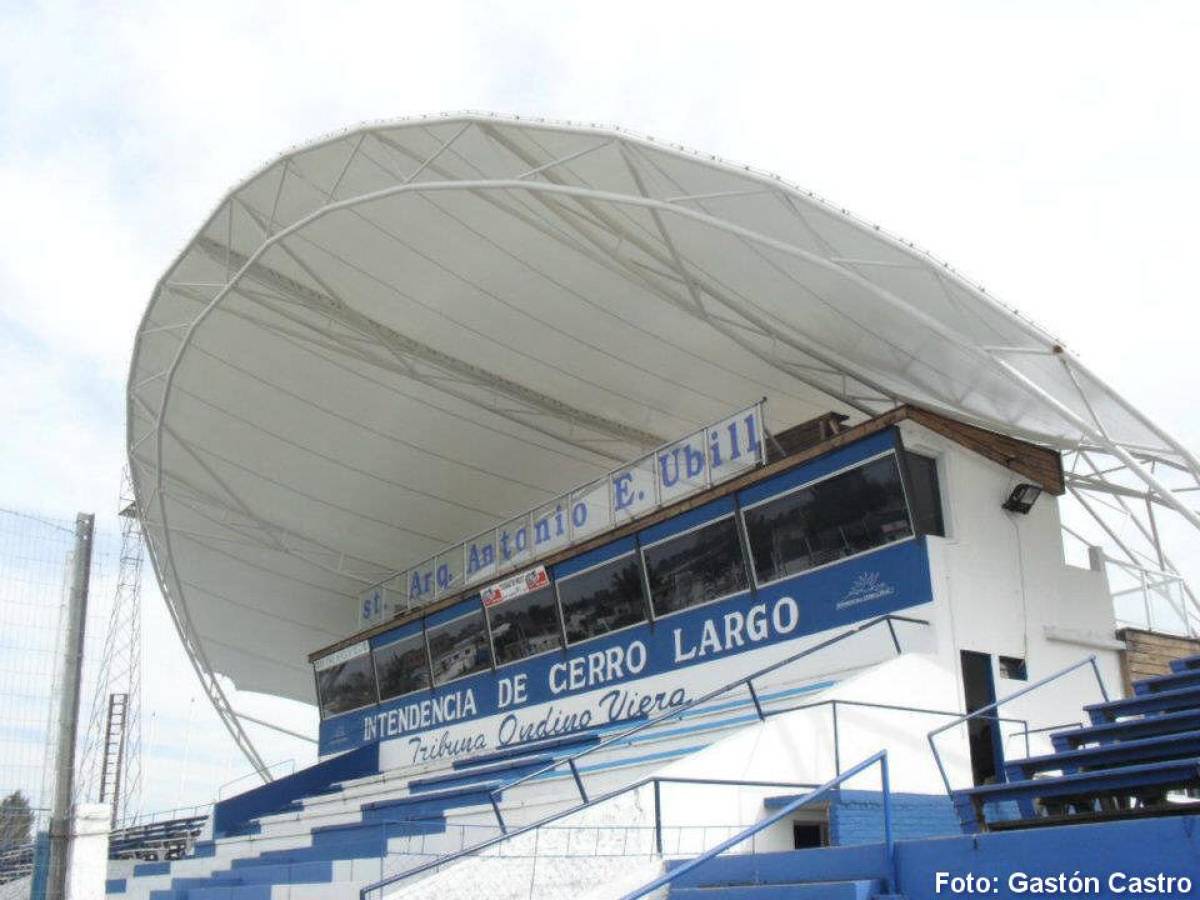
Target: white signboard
{"x":693,"y":463}
{"x":340,"y":656}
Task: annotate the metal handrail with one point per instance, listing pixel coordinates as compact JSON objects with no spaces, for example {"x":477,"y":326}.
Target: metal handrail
{"x":255,"y":774}
{"x":1088,"y":660}
{"x":787,"y":810}
{"x":654,"y":780}
{"x":142,"y":820}
{"x":834,"y":702}
{"x":493,"y":795}
{"x":691,"y":704}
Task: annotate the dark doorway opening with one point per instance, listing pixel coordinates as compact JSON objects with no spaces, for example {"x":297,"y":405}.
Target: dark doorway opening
{"x":808,"y":834}
{"x":983,"y":732}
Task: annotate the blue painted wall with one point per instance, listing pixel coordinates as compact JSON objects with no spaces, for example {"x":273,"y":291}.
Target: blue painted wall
{"x":885,"y":580}
{"x":232,"y":815}
{"x":856,"y":817}
{"x":1139,"y":848}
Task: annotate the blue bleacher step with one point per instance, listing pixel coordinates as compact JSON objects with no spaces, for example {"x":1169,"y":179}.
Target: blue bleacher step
{"x":1185,"y":663}
{"x":354,"y":840}
{"x":573,"y":742}
{"x":510,"y":769}
{"x":1127,"y":729}
{"x":216,"y":879}
{"x":1124,"y":753}
{"x":860,"y":889}
{"x":151,"y":868}
{"x":1124,"y":780}
{"x":818,"y":864}
{"x":463,"y":795}
{"x":1151,"y":704}
{"x":1160,"y":683}
{"x":242,"y":892}
{"x":313,"y":871}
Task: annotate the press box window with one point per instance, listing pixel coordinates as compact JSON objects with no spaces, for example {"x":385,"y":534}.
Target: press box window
{"x":603,"y":599}
{"x":696,"y":567}
{"x":843,"y":515}
{"x":924,"y":494}
{"x":347,"y":686}
{"x":402,"y":667}
{"x":459,"y":647}
{"x":525,"y":626}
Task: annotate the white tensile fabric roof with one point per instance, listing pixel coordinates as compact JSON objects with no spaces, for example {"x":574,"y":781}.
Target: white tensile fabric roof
{"x":397,"y":336}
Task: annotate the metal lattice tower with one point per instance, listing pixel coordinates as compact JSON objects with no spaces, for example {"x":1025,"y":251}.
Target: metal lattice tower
{"x":113,"y":754}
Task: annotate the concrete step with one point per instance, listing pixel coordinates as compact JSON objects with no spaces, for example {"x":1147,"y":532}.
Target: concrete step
{"x":858,"y":889}
{"x":503,"y":771}
{"x":861,"y":861}
{"x":561,"y":746}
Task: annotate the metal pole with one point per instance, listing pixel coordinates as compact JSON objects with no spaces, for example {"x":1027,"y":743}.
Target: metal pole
{"x":888,"y":839}
{"x":837,"y":748}
{"x":657,"y":818}
{"x":68,"y":709}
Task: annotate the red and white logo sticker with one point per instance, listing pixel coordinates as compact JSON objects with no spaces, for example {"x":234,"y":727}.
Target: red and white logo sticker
{"x":515,"y":586}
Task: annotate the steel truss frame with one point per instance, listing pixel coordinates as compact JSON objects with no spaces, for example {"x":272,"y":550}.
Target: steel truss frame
{"x":1111,"y":479}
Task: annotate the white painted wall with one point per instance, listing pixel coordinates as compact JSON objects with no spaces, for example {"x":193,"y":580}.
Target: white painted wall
{"x":1000,"y":585}
{"x":87,"y":862}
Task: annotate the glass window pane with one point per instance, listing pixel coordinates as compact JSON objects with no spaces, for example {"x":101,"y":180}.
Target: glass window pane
{"x":696,"y":567}
{"x":525,"y":626}
{"x":402,"y":667}
{"x":603,"y":599}
{"x":830,"y":520}
{"x":925,"y":494}
{"x":459,"y":647}
{"x":347,"y":686}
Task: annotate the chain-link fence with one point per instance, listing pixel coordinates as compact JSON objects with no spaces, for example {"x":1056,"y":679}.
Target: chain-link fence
{"x":36,"y":556}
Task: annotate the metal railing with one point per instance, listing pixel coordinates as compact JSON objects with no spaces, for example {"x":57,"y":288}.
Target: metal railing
{"x":1161,"y":597}
{"x":571,"y":761}
{"x":139,"y":820}
{"x":256,"y":774}
{"x":833,"y":703}
{"x":1086,"y":661}
{"x":655,"y":781}
{"x":747,"y":682}
{"x":783,"y":812}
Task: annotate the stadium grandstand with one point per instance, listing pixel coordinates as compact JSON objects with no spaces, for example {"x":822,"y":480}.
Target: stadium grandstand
{"x":642,"y":524}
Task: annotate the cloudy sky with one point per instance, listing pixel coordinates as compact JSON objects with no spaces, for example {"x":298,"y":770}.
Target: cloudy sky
{"x":1048,"y":150}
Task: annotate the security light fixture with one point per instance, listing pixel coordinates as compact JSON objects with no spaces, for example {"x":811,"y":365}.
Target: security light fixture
{"x":1022,"y":498}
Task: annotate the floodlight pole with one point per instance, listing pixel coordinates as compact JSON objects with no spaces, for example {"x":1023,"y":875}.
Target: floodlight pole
{"x":68,"y":708}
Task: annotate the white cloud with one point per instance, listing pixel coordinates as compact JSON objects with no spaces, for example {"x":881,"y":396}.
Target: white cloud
{"x":1050,"y":155}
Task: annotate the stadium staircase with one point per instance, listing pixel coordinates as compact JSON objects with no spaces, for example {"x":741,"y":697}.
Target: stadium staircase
{"x":1136,"y":753}
{"x":337,"y":837}
{"x":341,"y":825}
{"x":1125,"y":770}
{"x":1108,"y":792}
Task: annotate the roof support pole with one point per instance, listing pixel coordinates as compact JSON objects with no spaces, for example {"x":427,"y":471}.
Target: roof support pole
{"x":1114,"y":448}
